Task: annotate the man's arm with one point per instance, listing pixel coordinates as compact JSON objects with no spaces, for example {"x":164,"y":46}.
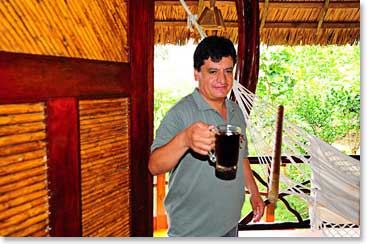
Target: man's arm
{"x":255,"y":199}
{"x":198,"y":137}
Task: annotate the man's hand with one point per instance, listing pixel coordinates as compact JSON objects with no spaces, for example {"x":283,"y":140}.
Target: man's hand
{"x":199,"y":137}
{"x":257,"y":207}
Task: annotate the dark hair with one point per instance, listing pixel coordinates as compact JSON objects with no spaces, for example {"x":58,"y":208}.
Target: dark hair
{"x":214,"y":47}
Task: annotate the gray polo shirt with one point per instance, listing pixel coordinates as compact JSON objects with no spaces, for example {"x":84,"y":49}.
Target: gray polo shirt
{"x":197,"y":202}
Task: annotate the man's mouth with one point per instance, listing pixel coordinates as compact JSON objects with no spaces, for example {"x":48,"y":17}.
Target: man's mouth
{"x":220,"y":87}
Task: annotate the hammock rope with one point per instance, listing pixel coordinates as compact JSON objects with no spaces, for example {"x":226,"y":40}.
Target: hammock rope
{"x":191,"y":19}
{"x":332,"y":177}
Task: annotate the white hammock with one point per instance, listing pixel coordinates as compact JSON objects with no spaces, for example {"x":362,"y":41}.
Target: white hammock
{"x":334,"y":176}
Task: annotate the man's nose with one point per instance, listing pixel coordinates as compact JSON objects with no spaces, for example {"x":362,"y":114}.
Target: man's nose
{"x":221,"y":77}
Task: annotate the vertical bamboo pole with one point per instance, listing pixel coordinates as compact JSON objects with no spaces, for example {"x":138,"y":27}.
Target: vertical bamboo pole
{"x":275,"y":169}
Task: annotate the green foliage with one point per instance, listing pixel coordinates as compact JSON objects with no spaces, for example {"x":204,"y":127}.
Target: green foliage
{"x":319,"y":88}
{"x":330,"y":115}
{"x":276,"y":77}
{"x":163,"y":101}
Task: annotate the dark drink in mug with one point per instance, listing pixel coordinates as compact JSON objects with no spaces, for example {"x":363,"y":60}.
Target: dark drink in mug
{"x":226,"y":148}
{"x":225,"y":155}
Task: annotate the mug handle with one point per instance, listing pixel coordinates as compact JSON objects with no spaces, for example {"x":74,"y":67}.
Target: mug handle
{"x":212,"y":156}
{"x":211,"y":153}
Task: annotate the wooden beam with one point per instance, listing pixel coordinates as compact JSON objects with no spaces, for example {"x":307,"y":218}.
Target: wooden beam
{"x":265,"y":15}
{"x":276,"y":4}
{"x":285,"y":160}
{"x":32,"y":78}
{"x":275,"y":226}
{"x":193,"y":3}
{"x":272,"y":25}
{"x":293,"y":4}
{"x":322,"y":15}
{"x":312,"y":25}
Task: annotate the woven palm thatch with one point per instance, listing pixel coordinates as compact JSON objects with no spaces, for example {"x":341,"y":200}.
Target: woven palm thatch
{"x":89,"y":29}
{"x":285,"y":22}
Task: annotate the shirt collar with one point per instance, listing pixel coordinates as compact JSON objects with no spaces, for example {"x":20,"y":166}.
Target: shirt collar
{"x":203,"y":105}
{"x":199,"y":100}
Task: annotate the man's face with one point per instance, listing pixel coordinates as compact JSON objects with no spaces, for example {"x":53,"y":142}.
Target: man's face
{"x":215,"y":78}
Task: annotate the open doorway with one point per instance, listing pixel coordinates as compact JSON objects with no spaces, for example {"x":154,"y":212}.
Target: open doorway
{"x":284,"y":72}
{"x":173,"y":79}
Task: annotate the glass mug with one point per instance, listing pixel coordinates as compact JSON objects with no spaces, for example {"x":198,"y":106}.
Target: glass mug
{"x":228,"y":141}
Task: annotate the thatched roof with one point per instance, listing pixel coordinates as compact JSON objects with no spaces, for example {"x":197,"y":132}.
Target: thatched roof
{"x":286,"y":22}
{"x":80,"y":29}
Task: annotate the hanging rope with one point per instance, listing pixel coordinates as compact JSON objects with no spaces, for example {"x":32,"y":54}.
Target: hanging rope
{"x":192,"y":19}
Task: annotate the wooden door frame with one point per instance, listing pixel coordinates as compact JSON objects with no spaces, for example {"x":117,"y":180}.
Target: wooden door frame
{"x":142,"y":77}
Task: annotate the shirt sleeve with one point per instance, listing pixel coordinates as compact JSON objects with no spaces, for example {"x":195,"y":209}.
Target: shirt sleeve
{"x":170,"y":126}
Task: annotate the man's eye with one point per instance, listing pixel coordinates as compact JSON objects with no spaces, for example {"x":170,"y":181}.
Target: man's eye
{"x":229,"y":71}
{"x":212,"y":72}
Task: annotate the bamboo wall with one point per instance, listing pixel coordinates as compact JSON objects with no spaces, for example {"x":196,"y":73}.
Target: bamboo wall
{"x":105,"y":169}
{"x":105,"y":172}
{"x":23,"y":171}
{"x":90,"y":29}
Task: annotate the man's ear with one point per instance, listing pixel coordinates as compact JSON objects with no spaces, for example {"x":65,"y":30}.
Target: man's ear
{"x":196,"y":75}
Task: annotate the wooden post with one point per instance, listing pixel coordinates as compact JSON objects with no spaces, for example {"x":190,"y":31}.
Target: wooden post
{"x":270,"y":208}
{"x":161,"y":218}
{"x":63,"y":162}
{"x":141,"y":54}
{"x":275,"y":169}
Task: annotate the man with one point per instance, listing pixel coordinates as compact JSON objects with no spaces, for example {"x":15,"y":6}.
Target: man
{"x":197,"y":202}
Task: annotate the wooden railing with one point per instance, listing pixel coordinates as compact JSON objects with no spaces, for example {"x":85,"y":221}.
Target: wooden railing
{"x":160,"y":217}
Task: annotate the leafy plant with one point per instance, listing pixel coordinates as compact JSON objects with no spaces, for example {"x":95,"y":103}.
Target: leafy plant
{"x":319,"y":88}
{"x":163,"y":101}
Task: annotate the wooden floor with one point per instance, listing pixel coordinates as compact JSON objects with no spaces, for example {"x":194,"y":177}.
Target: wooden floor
{"x":264,"y":233}
{"x":281,"y":233}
